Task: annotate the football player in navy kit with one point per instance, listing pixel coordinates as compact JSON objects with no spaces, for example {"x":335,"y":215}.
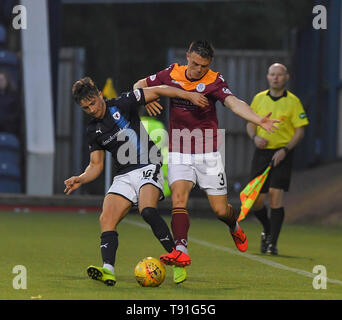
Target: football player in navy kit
{"x":116,"y":127}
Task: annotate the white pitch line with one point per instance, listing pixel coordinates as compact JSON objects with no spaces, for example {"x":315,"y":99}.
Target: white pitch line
{"x":246,"y":255}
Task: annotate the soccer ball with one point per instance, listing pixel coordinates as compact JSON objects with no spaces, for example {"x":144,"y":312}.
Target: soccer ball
{"x":149,"y":272}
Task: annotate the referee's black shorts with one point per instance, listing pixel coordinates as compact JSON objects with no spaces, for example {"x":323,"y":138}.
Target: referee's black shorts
{"x":279,"y":177}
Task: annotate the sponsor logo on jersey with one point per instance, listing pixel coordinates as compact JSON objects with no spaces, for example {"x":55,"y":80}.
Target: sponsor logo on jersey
{"x":221,"y":77}
{"x":112,"y":137}
{"x":200,"y":87}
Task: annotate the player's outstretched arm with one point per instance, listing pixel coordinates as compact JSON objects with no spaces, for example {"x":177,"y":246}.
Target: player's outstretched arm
{"x":153,"y":93}
{"x":153,"y":108}
{"x":93,"y":170}
{"x":142,"y":83}
{"x":243,"y":110}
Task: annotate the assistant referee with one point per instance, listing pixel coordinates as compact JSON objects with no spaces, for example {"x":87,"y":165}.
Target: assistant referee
{"x":278,"y":146}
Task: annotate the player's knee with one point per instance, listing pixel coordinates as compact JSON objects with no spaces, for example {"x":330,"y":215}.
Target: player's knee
{"x":104,"y":221}
{"x":276,"y":198}
{"x":108,"y":221}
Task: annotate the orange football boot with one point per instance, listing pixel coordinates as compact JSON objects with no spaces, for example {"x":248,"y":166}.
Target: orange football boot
{"x":176,"y":258}
{"x":240,"y":239}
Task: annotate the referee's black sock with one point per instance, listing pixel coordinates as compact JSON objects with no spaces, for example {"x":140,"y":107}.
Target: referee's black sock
{"x":277,"y":218}
{"x":261,"y":215}
{"x":109,"y":245}
{"x":159,"y":228}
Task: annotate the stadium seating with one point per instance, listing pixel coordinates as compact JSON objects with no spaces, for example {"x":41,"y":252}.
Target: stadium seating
{"x":8,"y":59}
{"x":10,"y":175}
{"x":9,"y":149}
{"x":3,"y":34}
{"x":10,"y":178}
{"x":10,"y":146}
{"x":9,"y":62}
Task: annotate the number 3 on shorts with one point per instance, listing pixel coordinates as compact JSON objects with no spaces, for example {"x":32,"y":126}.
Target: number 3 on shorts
{"x":221,"y":176}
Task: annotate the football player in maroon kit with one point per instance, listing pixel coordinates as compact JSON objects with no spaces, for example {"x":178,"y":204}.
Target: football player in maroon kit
{"x":194,"y":142}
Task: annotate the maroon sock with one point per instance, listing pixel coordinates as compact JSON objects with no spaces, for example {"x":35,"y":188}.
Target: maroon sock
{"x":180,"y":224}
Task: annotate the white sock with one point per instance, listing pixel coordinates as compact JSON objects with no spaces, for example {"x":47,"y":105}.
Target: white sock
{"x":109,"y":267}
{"x":182,"y":248}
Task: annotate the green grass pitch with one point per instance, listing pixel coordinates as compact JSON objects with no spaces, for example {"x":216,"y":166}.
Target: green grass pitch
{"x":56,"y":249}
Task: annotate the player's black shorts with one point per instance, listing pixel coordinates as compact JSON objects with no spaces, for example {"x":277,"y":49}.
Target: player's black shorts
{"x":279,"y":177}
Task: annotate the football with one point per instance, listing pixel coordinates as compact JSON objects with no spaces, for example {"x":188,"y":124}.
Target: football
{"x":149,"y":272}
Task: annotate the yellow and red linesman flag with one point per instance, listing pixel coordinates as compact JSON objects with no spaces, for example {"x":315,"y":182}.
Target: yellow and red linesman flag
{"x":249,"y":194}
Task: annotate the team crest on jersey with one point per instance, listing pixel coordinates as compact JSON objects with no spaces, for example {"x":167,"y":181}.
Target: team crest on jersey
{"x":116,"y":115}
{"x":153,"y":77}
{"x":226,"y":91}
{"x":200,"y":87}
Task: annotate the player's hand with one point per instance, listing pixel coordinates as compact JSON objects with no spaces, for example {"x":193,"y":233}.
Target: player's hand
{"x":260,"y":142}
{"x":198,"y":99}
{"x":278,"y":157}
{"x":153,"y":108}
{"x":268,"y":124}
{"x":72,"y":184}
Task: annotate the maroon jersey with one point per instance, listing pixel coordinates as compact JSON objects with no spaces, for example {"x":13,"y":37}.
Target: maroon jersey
{"x":192,"y":129}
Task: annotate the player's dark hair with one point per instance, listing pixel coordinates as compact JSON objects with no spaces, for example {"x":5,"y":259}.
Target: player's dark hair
{"x":203,"y":48}
{"x":84,"y":88}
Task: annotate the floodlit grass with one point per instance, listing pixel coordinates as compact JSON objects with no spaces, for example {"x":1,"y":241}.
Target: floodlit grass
{"x":56,"y":249}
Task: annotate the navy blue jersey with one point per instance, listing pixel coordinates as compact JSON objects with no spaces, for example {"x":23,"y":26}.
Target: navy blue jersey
{"x":122,"y":134}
